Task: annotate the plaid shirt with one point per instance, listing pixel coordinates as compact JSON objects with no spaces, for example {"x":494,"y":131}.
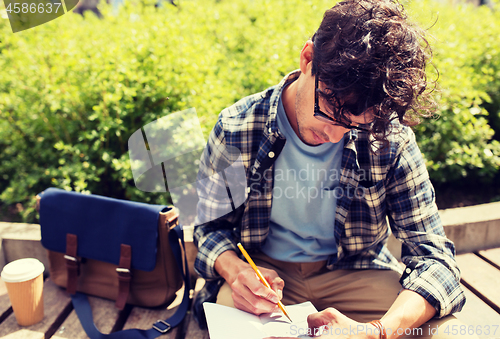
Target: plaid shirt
{"x":392,"y":186}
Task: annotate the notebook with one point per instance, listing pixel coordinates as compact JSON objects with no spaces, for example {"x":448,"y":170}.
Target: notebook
{"x":229,"y":323}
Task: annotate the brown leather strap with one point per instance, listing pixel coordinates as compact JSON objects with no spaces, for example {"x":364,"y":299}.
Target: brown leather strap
{"x":72,"y":264}
{"x":124,"y":276}
{"x":172,"y":217}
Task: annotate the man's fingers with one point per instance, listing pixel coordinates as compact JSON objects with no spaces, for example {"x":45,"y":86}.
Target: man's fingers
{"x":252,"y":296}
{"x":277,"y":284}
{"x":252,"y":303}
{"x":258,"y":288}
{"x":267,"y":294}
{"x":257,"y":309}
{"x":325,"y":317}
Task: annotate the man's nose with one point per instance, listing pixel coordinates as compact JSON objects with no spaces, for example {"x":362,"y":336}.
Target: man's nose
{"x":335,"y":133}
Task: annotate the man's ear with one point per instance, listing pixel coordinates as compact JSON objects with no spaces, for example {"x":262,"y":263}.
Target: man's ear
{"x":306,"y":56}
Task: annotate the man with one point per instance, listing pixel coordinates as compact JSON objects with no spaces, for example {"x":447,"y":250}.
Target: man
{"x":329,"y":157}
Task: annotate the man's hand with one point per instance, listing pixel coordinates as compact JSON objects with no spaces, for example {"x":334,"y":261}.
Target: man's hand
{"x":409,"y":310}
{"x":330,"y":323}
{"x":337,"y":325}
{"x":249,"y":293}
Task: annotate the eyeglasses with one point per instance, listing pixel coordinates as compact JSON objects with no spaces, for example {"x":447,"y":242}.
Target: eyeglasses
{"x":328,"y":119}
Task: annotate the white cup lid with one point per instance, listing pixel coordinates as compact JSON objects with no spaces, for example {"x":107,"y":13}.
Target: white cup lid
{"x":22,"y":270}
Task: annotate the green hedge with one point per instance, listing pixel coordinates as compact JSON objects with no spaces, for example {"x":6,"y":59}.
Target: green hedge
{"x":72,"y":91}
{"x":458,"y":144}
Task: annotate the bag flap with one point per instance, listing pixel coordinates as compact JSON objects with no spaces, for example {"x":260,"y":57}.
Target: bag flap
{"x":101,"y":225}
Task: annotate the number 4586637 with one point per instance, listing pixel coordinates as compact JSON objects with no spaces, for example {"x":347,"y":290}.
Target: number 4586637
{"x":33,"y":8}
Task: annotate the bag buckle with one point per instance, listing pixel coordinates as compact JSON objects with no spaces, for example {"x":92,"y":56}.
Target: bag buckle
{"x":162,"y":331}
{"x":70,"y":258}
{"x":73,"y":271}
{"x":72,"y":263}
{"x":124,"y":274}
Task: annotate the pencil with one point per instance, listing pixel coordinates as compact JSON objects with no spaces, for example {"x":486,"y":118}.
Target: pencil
{"x":261,"y":277}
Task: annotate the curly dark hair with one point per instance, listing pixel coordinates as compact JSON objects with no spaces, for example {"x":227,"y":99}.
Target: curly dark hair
{"x":369,"y":56}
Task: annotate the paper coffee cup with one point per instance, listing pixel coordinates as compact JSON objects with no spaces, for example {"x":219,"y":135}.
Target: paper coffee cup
{"x":24,"y":281}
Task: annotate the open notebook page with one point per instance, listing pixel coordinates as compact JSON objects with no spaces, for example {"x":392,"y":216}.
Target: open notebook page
{"x":229,"y":323}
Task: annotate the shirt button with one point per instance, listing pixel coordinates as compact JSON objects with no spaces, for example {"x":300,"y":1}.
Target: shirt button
{"x":408,"y":270}
{"x":271,"y":154}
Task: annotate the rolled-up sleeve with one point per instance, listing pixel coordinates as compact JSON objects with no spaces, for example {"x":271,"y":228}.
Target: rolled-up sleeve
{"x":431,"y":268}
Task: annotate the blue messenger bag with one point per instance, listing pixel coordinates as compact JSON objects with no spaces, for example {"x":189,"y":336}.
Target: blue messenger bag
{"x":121,"y":250}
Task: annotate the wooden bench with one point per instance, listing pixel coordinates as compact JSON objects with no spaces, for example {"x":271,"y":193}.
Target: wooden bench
{"x":61,"y":321}
{"x":480,"y":279}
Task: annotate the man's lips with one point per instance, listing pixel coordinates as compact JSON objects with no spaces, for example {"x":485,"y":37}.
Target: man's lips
{"x":318,"y":139}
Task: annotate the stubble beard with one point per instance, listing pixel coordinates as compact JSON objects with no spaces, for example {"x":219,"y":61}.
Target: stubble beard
{"x":300,"y":118}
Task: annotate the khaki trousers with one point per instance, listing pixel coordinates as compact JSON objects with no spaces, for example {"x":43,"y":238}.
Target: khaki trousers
{"x":362,"y":295}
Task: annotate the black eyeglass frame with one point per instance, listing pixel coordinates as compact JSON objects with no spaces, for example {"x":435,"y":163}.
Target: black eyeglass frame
{"x":318,"y":114}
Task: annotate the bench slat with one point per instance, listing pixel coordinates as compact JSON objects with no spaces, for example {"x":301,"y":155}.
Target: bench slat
{"x":4,"y":301}
{"x":492,"y":255}
{"x":55,"y":301}
{"x":105,"y":316}
{"x":481,"y":277}
{"x":25,"y":334}
{"x":477,"y":313}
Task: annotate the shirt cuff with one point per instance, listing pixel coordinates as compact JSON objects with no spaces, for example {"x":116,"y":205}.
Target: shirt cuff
{"x":436,"y":284}
{"x":208,"y":252}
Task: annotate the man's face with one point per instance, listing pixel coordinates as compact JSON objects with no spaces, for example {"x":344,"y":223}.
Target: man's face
{"x":313,"y":131}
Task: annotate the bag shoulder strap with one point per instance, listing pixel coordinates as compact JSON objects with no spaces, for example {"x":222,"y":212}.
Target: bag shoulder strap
{"x":84,"y":312}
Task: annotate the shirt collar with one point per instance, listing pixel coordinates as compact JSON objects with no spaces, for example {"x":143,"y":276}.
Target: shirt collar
{"x":272,"y":122}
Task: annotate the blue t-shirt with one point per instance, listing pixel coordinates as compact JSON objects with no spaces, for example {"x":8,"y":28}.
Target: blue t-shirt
{"x":303,"y":211}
